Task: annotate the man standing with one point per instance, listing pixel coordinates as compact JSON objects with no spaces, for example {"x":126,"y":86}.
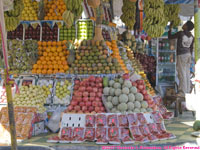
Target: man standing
{"x":184,"y":50}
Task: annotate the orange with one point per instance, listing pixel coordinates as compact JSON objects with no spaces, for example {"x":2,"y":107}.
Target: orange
{"x":53,"y":49}
{"x":53,"y":6}
{"x":45,"y":66}
{"x":64,"y":42}
{"x":55,"y":66}
{"x":51,"y":10}
{"x":39,"y":62}
{"x":64,"y":62}
{"x":59,"y":43}
{"x":54,"y":43}
{"x":50,"y":54}
{"x":54,"y":62}
{"x":60,"y":18}
{"x":50,"y":66}
{"x":39,"y":43}
{"x":42,"y":58}
{"x":44,"y":43}
{"x":34,"y":71}
{"x":49,"y":63}
{"x":55,"y":18}
{"x":49,"y":43}
{"x":52,"y":58}
{"x":64,"y":47}
{"x":59,"y":7}
{"x":64,"y":7}
{"x":59,"y":62}
{"x":47,"y":58}
{"x":51,"y":18}
{"x":40,"y":53}
{"x":59,"y":49}
{"x":48,"y":50}
{"x":49,"y":71}
{"x":49,"y":15}
{"x":44,"y":62}
{"x":35,"y":66}
{"x":40,"y":48}
{"x":66,"y":67}
{"x":39,"y":71}
{"x":55,"y":71}
{"x":63,"y":58}
{"x":55,"y":54}
{"x":57,"y":58}
{"x":45,"y":54}
{"x":61,"y":71}
{"x":44,"y":71}
{"x":60,"y":66}
{"x":61,"y":54}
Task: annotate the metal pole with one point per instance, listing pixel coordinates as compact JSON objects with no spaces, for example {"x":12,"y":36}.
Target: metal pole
{"x":8,"y":83}
{"x":197,"y":29}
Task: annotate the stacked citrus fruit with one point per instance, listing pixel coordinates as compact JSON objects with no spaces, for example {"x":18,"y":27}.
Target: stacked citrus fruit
{"x":55,"y":9}
{"x":30,"y":10}
{"x":52,"y":58}
{"x":113,"y":46}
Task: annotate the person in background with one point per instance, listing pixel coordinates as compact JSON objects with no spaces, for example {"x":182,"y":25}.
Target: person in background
{"x":185,"y":41}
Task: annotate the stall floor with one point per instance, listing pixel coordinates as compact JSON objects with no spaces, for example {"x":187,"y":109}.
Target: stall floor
{"x":180,"y":126}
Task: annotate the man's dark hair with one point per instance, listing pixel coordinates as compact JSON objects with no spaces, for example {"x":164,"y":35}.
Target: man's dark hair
{"x":190,"y":25}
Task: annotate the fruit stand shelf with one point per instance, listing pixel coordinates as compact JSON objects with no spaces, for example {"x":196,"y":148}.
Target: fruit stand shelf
{"x":166,"y":63}
{"x":167,"y":51}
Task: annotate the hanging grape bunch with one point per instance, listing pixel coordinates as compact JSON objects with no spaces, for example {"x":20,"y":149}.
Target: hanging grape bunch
{"x":155,"y":21}
{"x":129,"y":12}
{"x":171,"y":13}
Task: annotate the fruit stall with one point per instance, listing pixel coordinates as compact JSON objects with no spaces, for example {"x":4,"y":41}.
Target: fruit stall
{"x":68,"y":62}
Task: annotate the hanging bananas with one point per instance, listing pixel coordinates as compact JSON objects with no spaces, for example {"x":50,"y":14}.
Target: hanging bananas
{"x":171,"y":13}
{"x":12,"y":17}
{"x":129,"y":12}
{"x":155,"y":21}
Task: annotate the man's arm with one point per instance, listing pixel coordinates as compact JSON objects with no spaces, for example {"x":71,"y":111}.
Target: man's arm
{"x":174,"y":36}
{"x":191,"y":46}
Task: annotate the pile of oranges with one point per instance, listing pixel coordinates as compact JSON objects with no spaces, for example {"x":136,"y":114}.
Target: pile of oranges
{"x":55,"y":9}
{"x":113,"y":46}
{"x":52,"y":58}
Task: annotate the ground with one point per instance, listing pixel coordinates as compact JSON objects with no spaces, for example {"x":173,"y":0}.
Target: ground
{"x":180,"y":126}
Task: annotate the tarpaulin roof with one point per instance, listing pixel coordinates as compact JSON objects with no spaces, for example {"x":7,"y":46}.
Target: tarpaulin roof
{"x":179,"y":1}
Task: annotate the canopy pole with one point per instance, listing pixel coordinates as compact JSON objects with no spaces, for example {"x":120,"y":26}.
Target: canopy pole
{"x":7,"y":81}
{"x":197,"y":28}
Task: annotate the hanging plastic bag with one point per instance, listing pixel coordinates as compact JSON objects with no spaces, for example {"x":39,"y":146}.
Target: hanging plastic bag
{"x":54,"y":121}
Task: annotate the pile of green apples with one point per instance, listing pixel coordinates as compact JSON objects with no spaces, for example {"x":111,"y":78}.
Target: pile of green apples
{"x":32,"y":96}
{"x":63,"y":90}
{"x":67,"y":34}
{"x":47,"y":86}
{"x":85,"y":29}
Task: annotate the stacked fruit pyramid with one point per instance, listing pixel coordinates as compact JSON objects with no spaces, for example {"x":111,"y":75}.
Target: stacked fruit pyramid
{"x":54,"y":9}
{"x":92,"y":58}
{"x":67,"y":34}
{"x":30,"y":10}
{"x":85,"y":29}
{"x":113,"y":46}
{"x":52,"y":58}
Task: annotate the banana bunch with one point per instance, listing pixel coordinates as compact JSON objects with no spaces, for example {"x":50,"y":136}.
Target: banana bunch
{"x":68,"y":18}
{"x":155,"y":21}
{"x":171,"y":13}
{"x":12,"y":17}
{"x":75,"y":6}
{"x":129,"y":12}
